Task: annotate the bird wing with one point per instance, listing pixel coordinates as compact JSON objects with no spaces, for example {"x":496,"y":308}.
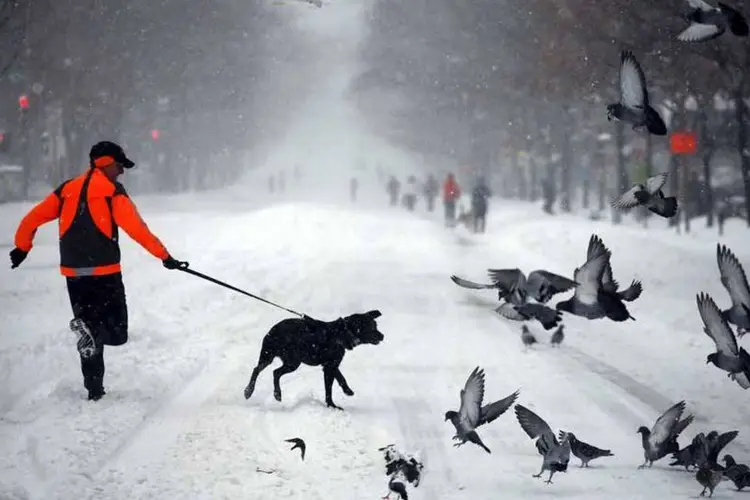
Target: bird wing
{"x":663,"y":429}
{"x":715,"y":326}
{"x":589,"y":278}
{"x":491,"y":411}
{"x":632,"y":292}
{"x":700,"y":4}
{"x":597,"y":246}
{"x":535,"y":427}
{"x":470,"y":284}
{"x":471,"y":399}
{"x":656,"y":182}
{"x":633,"y":92}
{"x":507,"y":278}
{"x":551,"y":282}
{"x":509,"y":311}
{"x":698,"y":32}
{"x":722,"y":441}
{"x":733,"y":276}
{"x":628,"y":199}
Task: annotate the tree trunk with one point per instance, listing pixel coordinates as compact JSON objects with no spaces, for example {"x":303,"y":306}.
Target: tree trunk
{"x":565,"y":161}
{"x":706,"y":147}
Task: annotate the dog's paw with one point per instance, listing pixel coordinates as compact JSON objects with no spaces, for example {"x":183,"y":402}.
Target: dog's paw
{"x":331,"y":404}
{"x":348,"y":391}
{"x":277,"y":396}
{"x":248,"y":392}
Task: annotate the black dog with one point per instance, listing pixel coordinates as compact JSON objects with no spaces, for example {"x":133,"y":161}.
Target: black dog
{"x":315,"y":343}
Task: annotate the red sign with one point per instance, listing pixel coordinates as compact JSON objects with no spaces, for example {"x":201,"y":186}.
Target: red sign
{"x":23,"y":101}
{"x":683,"y":143}
{"x":155,"y":134}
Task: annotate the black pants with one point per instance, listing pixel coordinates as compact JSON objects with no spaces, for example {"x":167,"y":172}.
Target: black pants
{"x":100,"y":302}
{"x":450,"y":212}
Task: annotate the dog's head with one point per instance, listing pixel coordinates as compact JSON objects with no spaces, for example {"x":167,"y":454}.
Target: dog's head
{"x":361,"y":328}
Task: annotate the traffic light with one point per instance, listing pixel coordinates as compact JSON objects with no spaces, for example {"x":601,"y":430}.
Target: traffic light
{"x":155,"y":134}
{"x":23,"y":102}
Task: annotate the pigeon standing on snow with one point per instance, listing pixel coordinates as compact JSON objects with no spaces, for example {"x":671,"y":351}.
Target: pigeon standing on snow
{"x":591,"y":299}
{"x":472,"y":414}
{"x":708,"y":22}
{"x":298,"y":443}
{"x":556,"y":454}
{"x":584,"y":451}
{"x":527,"y":337}
{"x":557,"y":337}
{"x":650,"y":196}
{"x":709,"y":479}
{"x":634,"y":106}
{"x":734,"y":279}
{"x":661,"y":440}
{"x":728,"y":356}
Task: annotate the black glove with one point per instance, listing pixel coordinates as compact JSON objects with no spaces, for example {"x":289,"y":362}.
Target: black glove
{"x":16,"y":257}
{"x":171,"y":263}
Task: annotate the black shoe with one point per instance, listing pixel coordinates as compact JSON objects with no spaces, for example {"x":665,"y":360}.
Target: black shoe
{"x":96,"y":394}
{"x":86,"y":342}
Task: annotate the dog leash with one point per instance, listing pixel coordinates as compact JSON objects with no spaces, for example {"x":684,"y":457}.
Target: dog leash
{"x":239,"y":290}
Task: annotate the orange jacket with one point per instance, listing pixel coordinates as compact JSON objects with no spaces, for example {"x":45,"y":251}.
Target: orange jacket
{"x":451,"y":191}
{"x":88,"y":225}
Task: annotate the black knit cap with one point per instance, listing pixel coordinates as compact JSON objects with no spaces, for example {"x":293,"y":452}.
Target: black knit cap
{"x":107,"y":148}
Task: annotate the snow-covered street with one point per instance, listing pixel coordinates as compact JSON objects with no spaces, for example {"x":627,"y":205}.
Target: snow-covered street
{"x":175,"y":424}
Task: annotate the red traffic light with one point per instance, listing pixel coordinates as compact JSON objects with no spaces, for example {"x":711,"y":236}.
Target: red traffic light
{"x":23,"y":101}
{"x":155,"y":134}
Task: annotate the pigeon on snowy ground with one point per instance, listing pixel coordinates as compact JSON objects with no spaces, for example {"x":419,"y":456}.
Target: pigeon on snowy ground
{"x":734,"y":279}
{"x":584,"y":451}
{"x":708,"y":22}
{"x":527,"y":337}
{"x":739,"y":474}
{"x":556,"y":454}
{"x":709,"y":479}
{"x":557,"y":337}
{"x":686,"y":456}
{"x":650,"y":196}
{"x":661,"y":440}
{"x":609,"y":284}
{"x":591,"y":299}
{"x":728,"y":356}
{"x":634,"y":106}
{"x":472,"y":414}
{"x":298,"y":443}
{"x":397,"y":487}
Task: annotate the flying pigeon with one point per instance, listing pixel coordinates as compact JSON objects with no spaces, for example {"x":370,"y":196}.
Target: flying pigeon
{"x":556,"y":454}
{"x":734,"y":279}
{"x":650,"y":196}
{"x":661,"y":440}
{"x":728,"y":357}
{"x":591,"y":299}
{"x":527,"y":337}
{"x":584,"y":451}
{"x":708,"y":22}
{"x":515,"y":289}
{"x":709,"y":479}
{"x":634,"y":105}
{"x":713,"y":443}
{"x":298,"y":443}
{"x":739,"y":474}
{"x":472,"y":414}
{"x":557,"y":337}
{"x":540,"y":285}
{"x":609,"y":284}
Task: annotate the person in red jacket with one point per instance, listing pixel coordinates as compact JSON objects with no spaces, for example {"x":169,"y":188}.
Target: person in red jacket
{"x":451,"y":193}
{"x":90,"y":209}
